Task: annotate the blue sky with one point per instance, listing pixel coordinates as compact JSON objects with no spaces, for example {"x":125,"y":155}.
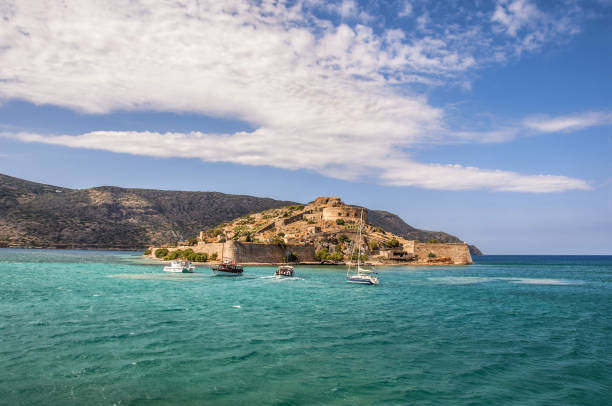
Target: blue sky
{"x":489,"y":119}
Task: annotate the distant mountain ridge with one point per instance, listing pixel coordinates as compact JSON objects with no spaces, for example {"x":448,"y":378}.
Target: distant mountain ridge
{"x":38,"y":215}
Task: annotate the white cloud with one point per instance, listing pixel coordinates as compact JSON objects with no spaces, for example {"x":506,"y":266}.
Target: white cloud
{"x":530,"y":27}
{"x":368,"y":159}
{"x":514,"y":15}
{"x":569,"y":122}
{"x":406,"y":9}
{"x":321,"y":96}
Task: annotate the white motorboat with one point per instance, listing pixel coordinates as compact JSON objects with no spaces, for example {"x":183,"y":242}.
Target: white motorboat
{"x":180,"y":267}
{"x":284,"y":270}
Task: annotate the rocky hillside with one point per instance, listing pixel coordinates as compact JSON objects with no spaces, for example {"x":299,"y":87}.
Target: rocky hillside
{"x":33,"y":214}
{"x":396,"y":225}
{"x":38,"y":215}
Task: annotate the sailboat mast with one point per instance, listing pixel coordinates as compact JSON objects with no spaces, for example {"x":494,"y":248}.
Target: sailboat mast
{"x":359,"y":255}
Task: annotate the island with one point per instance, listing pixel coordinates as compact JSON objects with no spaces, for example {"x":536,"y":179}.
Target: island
{"x":325,"y":231}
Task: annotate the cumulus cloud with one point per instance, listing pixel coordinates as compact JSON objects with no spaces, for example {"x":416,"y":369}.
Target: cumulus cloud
{"x":569,"y":122}
{"x":321,"y":96}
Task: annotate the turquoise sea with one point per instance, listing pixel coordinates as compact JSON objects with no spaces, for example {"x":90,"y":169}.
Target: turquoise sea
{"x":110,"y":328}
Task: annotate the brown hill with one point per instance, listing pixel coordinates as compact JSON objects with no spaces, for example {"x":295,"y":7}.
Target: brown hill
{"x":39,"y":215}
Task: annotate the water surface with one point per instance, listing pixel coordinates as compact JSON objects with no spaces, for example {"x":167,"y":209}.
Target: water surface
{"x":87,"y":327}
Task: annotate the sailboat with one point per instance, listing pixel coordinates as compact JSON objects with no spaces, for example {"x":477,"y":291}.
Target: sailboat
{"x":361,"y":275}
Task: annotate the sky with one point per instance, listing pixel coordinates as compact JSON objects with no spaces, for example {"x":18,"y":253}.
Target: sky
{"x":490,"y":120}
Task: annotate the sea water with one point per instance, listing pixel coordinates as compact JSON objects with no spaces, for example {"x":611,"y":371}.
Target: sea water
{"x":110,"y":328}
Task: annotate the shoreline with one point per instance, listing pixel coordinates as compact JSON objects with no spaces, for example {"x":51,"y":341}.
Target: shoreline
{"x":376,"y":265}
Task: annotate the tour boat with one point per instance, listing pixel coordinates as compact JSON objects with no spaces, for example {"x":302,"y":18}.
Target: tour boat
{"x":284,"y":270}
{"x":361,"y":275}
{"x":227,"y":268}
{"x":180,"y":266}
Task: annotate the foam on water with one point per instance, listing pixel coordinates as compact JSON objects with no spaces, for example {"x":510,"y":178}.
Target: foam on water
{"x":460,"y":280}
{"x":469,"y":280}
{"x":543,"y":281}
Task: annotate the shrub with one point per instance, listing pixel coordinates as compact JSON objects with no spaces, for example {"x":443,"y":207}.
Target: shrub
{"x":362,"y":258}
{"x":199,"y":257}
{"x":278,"y":241}
{"x":248,"y":238}
{"x":322,"y":254}
{"x":172,"y":255}
{"x":213,"y":256}
{"x":147,"y":251}
{"x":192,"y":241}
{"x":340,"y":222}
{"x":222,"y":239}
{"x":336,"y":256}
{"x":338,"y":248}
{"x":343,"y":238}
{"x":246,"y":220}
{"x":373,"y":245}
{"x":433,"y":241}
{"x":431,"y":255}
{"x":281,"y":234}
{"x":161,"y":252}
{"x":394,"y":243}
{"x":310,"y":221}
{"x":213,"y":232}
{"x":293,"y":257}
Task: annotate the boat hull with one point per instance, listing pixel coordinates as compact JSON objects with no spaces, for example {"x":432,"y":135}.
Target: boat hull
{"x":173,"y":270}
{"x":363,"y":280}
{"x":286,"y":271}
{"x":217,"y":272}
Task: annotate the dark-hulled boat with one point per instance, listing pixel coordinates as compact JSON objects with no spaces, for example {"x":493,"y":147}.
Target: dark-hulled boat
{"x":227,"y":268}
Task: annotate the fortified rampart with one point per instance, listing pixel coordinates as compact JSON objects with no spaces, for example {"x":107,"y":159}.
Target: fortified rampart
{"x":344,"y":213}
{"x":266,"y":253}
{"x":459,"y":253}
{"x":332,"y":209}
{"x":244,"y":252}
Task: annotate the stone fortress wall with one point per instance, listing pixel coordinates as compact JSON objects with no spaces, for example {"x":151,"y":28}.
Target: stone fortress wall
{"x":344,"y":213}
{"x":458,"y":252}
{"x":245,"y":252}
{"x":332,"y":209}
